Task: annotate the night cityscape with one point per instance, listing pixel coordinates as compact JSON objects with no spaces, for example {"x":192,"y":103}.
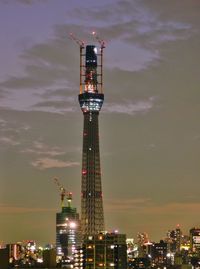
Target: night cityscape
{"x":100,"y":134}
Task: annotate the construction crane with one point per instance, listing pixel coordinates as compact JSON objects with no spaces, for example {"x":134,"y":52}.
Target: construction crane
{"x":101,"y":41}
{"x":81,"y":44}
{"x":63,"y":193}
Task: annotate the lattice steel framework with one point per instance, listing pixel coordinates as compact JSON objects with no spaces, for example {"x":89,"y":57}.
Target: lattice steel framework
{"x":91,"y":100}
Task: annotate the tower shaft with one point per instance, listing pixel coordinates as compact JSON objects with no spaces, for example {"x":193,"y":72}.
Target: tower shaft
{"x":92,"y":218}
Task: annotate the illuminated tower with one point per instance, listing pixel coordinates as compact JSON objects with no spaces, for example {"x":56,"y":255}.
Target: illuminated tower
{"x":91,"y":99}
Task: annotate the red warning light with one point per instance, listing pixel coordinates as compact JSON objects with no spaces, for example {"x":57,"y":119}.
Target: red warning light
{"x":84,"y":172}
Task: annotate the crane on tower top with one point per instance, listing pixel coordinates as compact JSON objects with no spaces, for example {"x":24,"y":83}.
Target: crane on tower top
{"x":81,"y":43}
{"x":101,"y":41}
{"x":63,"y":193}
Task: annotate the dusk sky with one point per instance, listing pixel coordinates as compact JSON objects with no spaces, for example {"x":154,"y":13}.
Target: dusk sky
{"x":149,"y":123}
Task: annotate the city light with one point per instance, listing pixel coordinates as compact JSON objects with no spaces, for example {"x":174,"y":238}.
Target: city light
{"x":72,"y":225}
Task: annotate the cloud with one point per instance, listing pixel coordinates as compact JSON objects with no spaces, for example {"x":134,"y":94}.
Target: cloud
{"x":132,"y":21}
{"x":151,"y":146}
{"x":39,"y":148}
{"x":3,"y":122}
{"x":176,"y":208}
{"x":9,"y":141}
{"x":24,"y":100}
{"x":125,"y":204}
{"x":60,"y":92}
{"x":46,"y":163}
{"x":6,"y":209}
{"x":46,"y":69}
{"x":12,"y":131}
{"x":131,"y":108}
{"x":134,"y":59}
{"x":46,"y":63}
{"x":149,"y":207}
{"x":110,"y":14}
{"x":25,"y":127}
{"x":134,"y":33}
{"x":45,"y":156}
{"x":26,"y":2}
{"x":41,"y":69}
{"x":59,"y":106}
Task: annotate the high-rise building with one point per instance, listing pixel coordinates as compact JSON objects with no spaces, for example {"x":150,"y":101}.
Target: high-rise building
{"x":4,"y":258}
{"x":68,"y":235}
{"x":105,"y":250}
{"x":14,"y":251}
{"x":49,"y":258}
{"x":91,"y":99}
{"x":79,"y":259}
{"x":174,"y":239}
{"x":195,"y":239}
{"x":68,"y":230}
{"x":143,"y":240}
{"x":159,"y":253}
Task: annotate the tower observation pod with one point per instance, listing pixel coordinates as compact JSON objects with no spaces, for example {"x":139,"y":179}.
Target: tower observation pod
{"x":91,"y":99}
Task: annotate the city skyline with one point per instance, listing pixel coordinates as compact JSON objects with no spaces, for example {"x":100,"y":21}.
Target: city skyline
{"x":149,"y":124}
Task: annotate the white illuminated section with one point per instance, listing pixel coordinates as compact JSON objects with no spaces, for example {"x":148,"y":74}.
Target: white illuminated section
{"x":196,"y":239}
{"x":72,"y":225}
{"x":32,"y":248}
{"x":95,"y":50}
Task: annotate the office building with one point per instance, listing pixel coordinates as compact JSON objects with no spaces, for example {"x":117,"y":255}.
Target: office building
{"x":195,"y":239}
{"x":68,"y":234}
{"x":105,"y":251}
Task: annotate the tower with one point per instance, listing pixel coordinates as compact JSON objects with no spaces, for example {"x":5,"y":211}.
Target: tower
{"x":91,"y":99}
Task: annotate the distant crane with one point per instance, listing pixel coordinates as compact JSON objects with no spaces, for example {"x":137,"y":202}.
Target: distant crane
{"x":63,"y":193}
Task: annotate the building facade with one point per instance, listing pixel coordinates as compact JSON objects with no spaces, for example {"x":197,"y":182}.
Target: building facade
{"x":105,"y":250}
{"x":4,"y":258}
{"x":195,"y":239}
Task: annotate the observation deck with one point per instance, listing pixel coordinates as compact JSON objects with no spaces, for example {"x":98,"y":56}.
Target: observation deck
{"x":90,"y":101}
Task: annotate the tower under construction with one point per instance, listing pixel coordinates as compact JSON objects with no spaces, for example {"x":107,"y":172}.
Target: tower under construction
{"x":91,"y":99}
